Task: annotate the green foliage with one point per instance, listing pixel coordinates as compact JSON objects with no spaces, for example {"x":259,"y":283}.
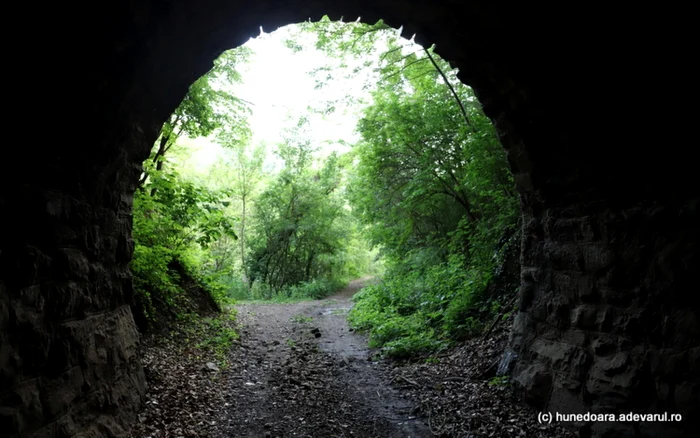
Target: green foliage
{"x":316,"y":289}
{"x":176,"y":220}
{"x":307,"y":243}
{"x":424,"y":199}
{"x":169,"y":223}
{"x":433,"y":188}
{"x":313,"y":290}
{"x":220,"y":340}
{"x":499,"y":381}
{"x":208,"y":336}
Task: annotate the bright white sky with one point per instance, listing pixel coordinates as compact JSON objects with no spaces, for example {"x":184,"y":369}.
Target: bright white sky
{"x":278,"y":83}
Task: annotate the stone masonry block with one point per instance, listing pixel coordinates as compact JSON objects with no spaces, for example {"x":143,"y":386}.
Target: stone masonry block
{"x":563,"y":257}
{"x":72,"y":264}
{"x":536,"y":382}
{"x":533,"y":254}
{"x":597,"y":256}
{"x":579,"y":229}
{"x":30,"y":412}
{"x":559,"y":311}
{"x":614,"y":377}
{"x":56,"y":204}
{"x":33,"y":297}
{"x":533,"y":275}
{"x":565,"y":284}
{"x":61,"y":392}
{"x":586,"y":289}
{"x":585,"y":317}
{"x":30,"y":338}
{"x":565,"y":401}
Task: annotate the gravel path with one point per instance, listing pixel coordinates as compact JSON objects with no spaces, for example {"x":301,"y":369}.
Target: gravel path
{"x":303,"y":373}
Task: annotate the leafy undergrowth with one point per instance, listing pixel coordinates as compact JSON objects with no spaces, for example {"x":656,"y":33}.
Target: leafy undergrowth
{"x":305,"y":291}
{"x":460,"y":395}
{"x":187,"y":295}
{"x":186,"y":375}
{"x":425,"y":307}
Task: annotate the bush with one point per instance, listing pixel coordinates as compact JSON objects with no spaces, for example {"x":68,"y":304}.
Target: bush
{"x":423,"y":304}
{"x":315,"y":289}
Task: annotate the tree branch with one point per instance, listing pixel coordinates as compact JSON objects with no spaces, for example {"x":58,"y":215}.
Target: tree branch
{"x":405,"y":67}
{"x":452,"y":90}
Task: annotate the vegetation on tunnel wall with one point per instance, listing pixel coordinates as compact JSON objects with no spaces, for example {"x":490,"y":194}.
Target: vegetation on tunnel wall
{"x":434,"y":188}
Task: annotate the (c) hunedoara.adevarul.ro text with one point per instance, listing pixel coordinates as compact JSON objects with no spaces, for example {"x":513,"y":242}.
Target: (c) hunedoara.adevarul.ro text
{"x":548,"y":417}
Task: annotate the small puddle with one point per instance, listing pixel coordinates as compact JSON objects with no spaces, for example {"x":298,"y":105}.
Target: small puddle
{"x":336,"y":311}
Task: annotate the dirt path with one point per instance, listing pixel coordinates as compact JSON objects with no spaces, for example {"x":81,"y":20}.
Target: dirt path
{"x":304,"y":374}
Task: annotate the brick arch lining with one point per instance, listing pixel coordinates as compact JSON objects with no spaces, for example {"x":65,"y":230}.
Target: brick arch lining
{"x":606,"y":317}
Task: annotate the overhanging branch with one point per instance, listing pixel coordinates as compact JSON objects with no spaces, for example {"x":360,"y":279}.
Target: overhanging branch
{"x":452,"y":90}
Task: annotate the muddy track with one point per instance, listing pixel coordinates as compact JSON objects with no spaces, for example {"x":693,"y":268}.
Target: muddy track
{"x":305,"y":374}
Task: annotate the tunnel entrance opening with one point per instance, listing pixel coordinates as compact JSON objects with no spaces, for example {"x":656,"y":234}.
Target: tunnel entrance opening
{"x":442,"y":168}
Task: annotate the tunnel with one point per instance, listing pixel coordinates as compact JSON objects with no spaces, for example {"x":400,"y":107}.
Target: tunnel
{"x":585,"y":102}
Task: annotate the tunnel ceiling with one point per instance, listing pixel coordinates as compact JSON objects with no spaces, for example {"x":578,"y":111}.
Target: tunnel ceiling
{"x":566,"y":68}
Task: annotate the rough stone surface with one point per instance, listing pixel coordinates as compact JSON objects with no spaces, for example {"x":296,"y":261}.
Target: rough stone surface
{"x":578,"y":97}
{"x":630,"y":344}
{"x":68,"y":350}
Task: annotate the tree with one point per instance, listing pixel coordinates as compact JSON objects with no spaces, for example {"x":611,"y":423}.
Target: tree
{"x":206,"y":106}
{"x":243,"y":172}
{"x":298,"y":218}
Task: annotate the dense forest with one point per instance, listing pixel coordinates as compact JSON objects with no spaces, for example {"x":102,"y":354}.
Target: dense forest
{"x":423,"y":201}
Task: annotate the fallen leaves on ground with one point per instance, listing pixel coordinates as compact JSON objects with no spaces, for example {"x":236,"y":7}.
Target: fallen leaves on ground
{"x":460,"y":397}
{"x":186,"y":385}
{"x":274,"y":387}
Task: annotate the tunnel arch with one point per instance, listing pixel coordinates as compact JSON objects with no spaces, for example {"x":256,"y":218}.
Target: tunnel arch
{"x":608,"y":242}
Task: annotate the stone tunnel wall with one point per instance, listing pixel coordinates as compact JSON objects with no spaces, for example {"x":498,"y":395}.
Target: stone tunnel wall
{"x":609,"y":238}
{"x":68,"y":342}
{"x":607,"y":320}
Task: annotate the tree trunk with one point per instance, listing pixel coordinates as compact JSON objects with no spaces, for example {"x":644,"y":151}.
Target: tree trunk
{"x":309,"y":263}
{"x":245,"y":276}
{"x":162,"y":148}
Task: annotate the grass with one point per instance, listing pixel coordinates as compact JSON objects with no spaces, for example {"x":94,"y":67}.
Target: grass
{"x":310,"y":291}
{"x":499,"y":381}
{"x":211,"y":336}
